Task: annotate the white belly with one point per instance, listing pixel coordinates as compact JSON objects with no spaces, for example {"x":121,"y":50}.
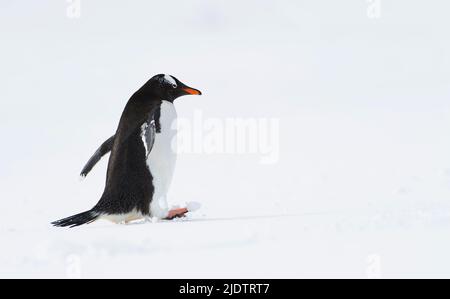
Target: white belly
{"x":162,"y":159}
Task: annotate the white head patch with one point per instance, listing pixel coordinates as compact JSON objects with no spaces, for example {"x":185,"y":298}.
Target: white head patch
{"x":170,"y":79}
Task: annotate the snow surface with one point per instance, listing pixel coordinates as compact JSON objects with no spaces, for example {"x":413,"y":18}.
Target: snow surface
{"x":362,"y":185}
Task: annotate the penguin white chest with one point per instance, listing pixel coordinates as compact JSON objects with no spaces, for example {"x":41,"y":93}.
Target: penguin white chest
{"x":162,"y":159}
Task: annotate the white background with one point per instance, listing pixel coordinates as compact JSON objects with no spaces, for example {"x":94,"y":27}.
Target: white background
{"x":362,"y":186}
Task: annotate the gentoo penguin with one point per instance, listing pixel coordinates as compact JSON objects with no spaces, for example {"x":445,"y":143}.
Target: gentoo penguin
{"x":142,"y":159}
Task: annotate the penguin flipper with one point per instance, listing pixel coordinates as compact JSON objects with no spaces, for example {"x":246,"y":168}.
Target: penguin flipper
{"x":101,"y":151}
{"x":149,"y":135}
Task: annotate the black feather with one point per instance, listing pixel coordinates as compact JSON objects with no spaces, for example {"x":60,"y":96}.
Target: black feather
{"x":77,"y":220}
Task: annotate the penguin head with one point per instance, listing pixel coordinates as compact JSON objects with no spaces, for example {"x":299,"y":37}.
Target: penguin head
{"x":169,"y":88}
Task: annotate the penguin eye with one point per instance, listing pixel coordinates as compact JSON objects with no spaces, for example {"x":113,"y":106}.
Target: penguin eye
{"x":174,"y":86}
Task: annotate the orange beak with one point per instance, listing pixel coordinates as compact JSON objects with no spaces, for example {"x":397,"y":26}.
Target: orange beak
{"x":192,"y":91}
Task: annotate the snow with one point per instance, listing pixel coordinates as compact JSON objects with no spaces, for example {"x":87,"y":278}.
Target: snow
{"x":361,"y":186}
{"x":193,"y":206}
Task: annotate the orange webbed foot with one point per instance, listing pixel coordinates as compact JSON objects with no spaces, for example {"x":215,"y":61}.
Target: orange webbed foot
{"x":177,"y":213}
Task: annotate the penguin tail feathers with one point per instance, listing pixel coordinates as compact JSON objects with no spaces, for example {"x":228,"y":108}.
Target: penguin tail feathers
{"x":77,"y":220}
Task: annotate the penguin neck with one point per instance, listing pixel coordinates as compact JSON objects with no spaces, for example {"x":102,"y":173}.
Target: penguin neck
{"x":165,"y":118}
{"x":167,"y":115}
